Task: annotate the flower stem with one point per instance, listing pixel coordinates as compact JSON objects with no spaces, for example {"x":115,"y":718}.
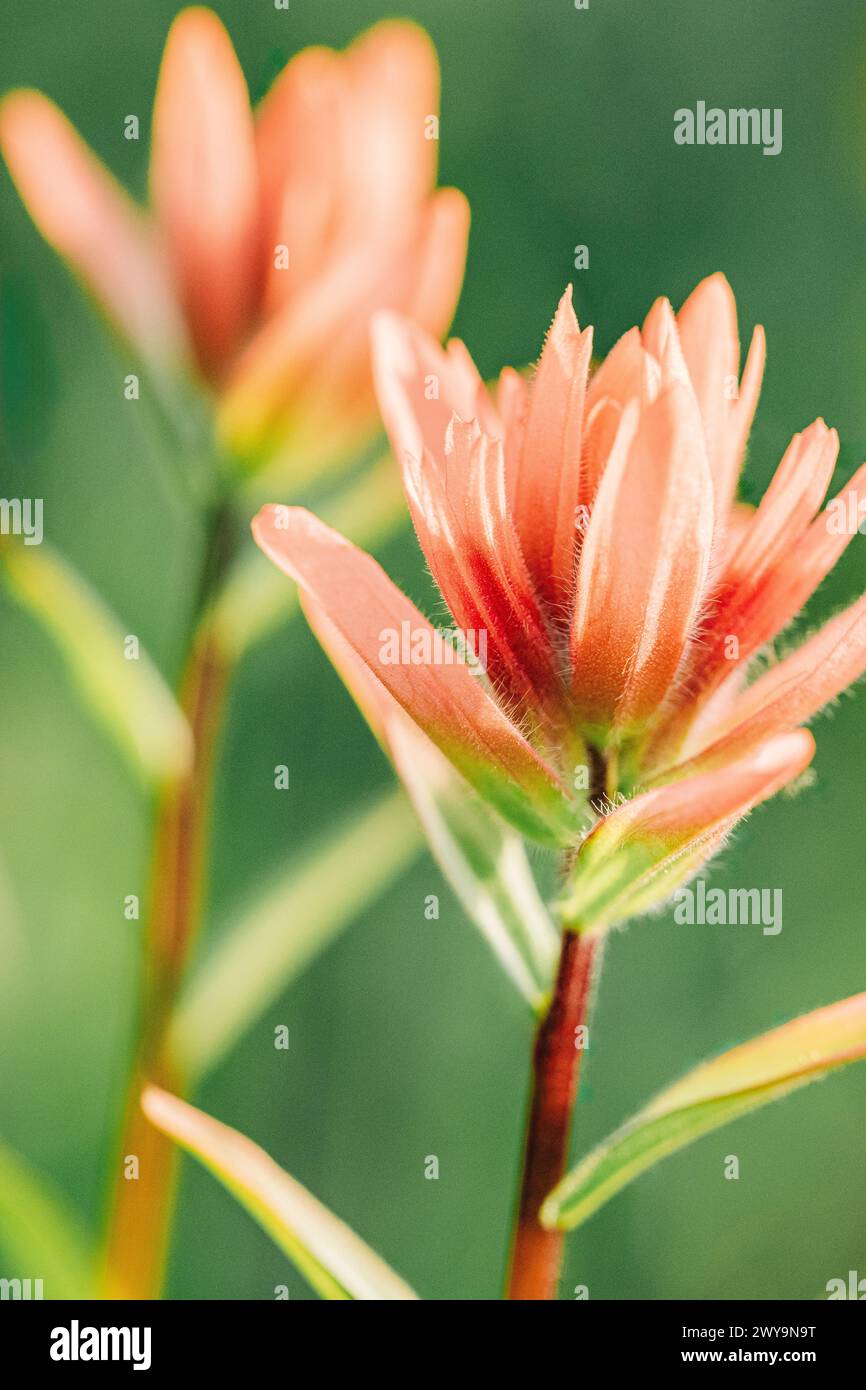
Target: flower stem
{"x":142,"y":1201}
{"x":536,"y":1253}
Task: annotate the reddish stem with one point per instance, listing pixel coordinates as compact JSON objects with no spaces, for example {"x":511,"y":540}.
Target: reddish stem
{"x":536,"y":1253}
{"x":141,"y":1207}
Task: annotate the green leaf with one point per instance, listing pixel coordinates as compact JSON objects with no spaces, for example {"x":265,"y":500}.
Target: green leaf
{"x":738,"y":1081}
{"x":482,"y":858}
{"x":284,"y":930}
{"x":129,"y":697}
{"x":14,"y":946}
{"x":41,"y":1238}
{"x":333,"y":1260}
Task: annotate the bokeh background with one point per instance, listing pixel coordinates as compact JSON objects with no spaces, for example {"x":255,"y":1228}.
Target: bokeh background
{"x":405,"y":1039}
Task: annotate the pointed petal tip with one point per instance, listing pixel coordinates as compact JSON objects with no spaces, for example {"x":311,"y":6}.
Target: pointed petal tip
{"x":660,"y":338}
{"x":196,"y":21}
{"x":445,"y":222}
{"x":268,"y":511}
{"x":818,"y":427}
{"x":661,"y":308}
{"x":791,"y":752}
{"x":713,"y":296}
{"x":454,"y":203}
{"x":18,"y":103}
{"x":404,"y":36}
{"x":157,"y":1104}
{"x":273,"y":525}
{"x":735,"y":787}
{"x":716,"y":283}
{"x":27,"y":119}
{"x":565,"y":334}
{"x":756,"y":358}
{"x":564,"y":316}
{"x":197,"y":36}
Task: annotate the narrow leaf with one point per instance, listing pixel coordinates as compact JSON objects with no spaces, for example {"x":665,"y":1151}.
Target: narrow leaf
{"x":482,"y":858}
{"x":40,"y":1237}
{"x":740,"y":1080}
{"x":130,"y":698}
{"x":14,"y":943}
{"x":283,"y":931}
{"x":334,"y":1261}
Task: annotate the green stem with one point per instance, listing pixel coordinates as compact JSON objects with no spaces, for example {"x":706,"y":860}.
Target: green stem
{"x":233,"y":611}
{"x":142,"y":1202}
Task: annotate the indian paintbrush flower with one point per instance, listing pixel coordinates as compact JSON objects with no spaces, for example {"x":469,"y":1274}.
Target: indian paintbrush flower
{"x":588,"y":524}
{"x":273,"y":234}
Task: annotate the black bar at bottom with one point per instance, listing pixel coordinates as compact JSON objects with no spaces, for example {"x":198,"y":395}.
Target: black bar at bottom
{"x":84,"y":1338}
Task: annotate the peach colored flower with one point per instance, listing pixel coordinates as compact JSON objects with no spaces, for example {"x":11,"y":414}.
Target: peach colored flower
{"x":588,"y":526}
{"x":272,"y":235}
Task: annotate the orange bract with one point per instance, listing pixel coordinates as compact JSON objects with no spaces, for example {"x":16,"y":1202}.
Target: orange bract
{"x":588,"y":527}
{"x":274,"y":234}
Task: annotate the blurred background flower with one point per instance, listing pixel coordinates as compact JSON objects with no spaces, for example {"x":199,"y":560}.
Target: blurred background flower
{"x":273,"y":234}
{"x":404,"y":1043}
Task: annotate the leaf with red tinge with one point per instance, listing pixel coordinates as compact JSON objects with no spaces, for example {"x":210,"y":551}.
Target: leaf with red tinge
{"x":437,"y":691}
{"x":482,"y":858}
{"x":484,"y":861}
{"x":740,"y":1080}
{"x":333,"y":1260}
{"x":635,"y":858}
{"x":791,"y":692}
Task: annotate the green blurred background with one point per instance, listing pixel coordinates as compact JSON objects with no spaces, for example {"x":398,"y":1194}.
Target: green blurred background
{"x":405,"y":1039}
